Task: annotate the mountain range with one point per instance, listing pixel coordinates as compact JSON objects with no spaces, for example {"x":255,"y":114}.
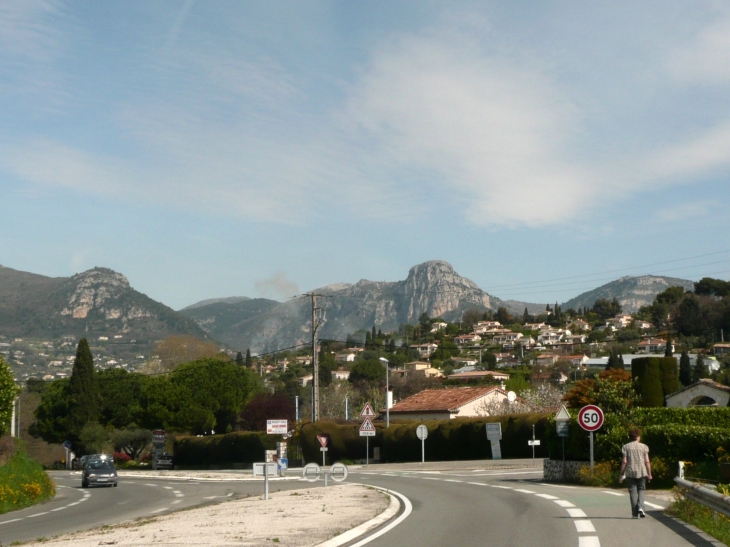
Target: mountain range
{"x":101,"y":302}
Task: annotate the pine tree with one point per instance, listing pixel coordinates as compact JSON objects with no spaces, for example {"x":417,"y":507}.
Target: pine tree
{"x":249,"y":361}
{"x":699,"y":371}
{"x":668,"y":352}
{"x":82,"y":391}
{"x":615,"y":360}
{"x":239,"y":359}
{"x":373,"y":335}
{"x":525,"y":317}
{"x":685,"y":369}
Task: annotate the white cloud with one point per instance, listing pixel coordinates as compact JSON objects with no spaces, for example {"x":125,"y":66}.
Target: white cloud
{"x":705,"y":58}
{"x":277,"y":286}
{"x":683,"y":211}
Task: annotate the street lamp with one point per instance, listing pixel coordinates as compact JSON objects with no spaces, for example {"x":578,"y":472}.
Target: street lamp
{"x":387,"y":391}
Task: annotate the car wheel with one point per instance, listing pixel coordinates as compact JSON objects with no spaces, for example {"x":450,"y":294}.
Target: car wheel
{"x":115,"y":485}
{"x":84,"y":484}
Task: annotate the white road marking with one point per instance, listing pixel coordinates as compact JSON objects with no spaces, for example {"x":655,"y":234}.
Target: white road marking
{"x":503,"y":487}
{"x":497,"y":473}
{"x":431,"y":478}
{"x":584,"y":526}
{"x":179,"y":495}
{"x":176,"y":502}
{"x":408,"y":508}
{"x":575,"y":513}
{"x":229,"y":494}
{"x":451,"y":480}
{"x":72,"y":504}
{"x":176,"y":492}
{"x":556,"y":485}
{"x":477,"y":483}
{"x":612,"y":493}
{"x":149,"y":484}
{"x":589,"y":541}
{"x":58,"y":509}
{"x":654,"y":505}
{"x":546,"y":496}
{"x":9,"y":521}
{"x":524,"y":491}
{"x":36,"y":515}
{"x":389,"y":475}
{"x":159,"y":510}
{"x":167,"y":487}
{"x":563,"y":503}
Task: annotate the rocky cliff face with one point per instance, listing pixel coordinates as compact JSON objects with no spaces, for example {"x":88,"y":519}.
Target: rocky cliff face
{"x":632,"y":292}
{"x":432,"y":287}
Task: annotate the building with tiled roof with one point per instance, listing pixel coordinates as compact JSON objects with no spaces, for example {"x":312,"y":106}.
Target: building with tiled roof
{"x":704,"y":392}
{"x":444,"y":404}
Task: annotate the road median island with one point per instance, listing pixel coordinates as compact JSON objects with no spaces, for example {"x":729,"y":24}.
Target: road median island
{"x":293,"y":518}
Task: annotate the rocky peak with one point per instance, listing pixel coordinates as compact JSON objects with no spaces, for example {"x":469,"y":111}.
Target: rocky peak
{"x":434,"y":273}
{"x":100,"y":276}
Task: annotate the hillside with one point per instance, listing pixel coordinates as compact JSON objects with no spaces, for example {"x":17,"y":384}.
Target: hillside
{"x":632,"y":292}
{"x":224,"y":319}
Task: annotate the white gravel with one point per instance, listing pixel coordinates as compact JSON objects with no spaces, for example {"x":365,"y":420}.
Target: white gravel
{"x":294,"y":518}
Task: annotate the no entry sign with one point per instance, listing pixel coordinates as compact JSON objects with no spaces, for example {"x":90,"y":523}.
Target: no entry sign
{"x":590,"y":418}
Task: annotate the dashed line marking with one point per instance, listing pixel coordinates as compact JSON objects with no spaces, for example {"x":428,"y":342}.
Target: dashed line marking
{"x":503,"y":487}
{"x":477,"y":483}
{"x":584,"y":526}
{"x":431,"y":479}
{"x":556,"y":485}
{"x":589,"y":541}
{"x":563,"y":503}
{"x":58,"y":509}
{"x":547,"y":496}
{"x":452,"y":480}
{"x":612,"y":493}
{"x":524,"y":491}
{"x":653,"y":505}
{"x":159,"y":510}
{"x":72,"y":504}
{"x":176,"y":502}
{"x":36,"y":515}
{"x":149,"y":484}
{"x":576,"y":513}
{"x":9,"y":521}
{"x":167,"y":487}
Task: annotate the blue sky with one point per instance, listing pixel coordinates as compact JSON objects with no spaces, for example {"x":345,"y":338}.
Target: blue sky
{"x":264,"y":149}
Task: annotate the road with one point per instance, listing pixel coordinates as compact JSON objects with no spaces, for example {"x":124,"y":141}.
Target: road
{"x":454,"y":503}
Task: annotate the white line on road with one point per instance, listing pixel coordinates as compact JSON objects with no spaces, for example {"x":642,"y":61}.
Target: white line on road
{"x":524,"y":491}
{"x":451,"y":480}
{"x":654,"y":505}
{"x":9,"y":521}
{"x":149,"y":484}
{"x":497,"y":473}
{"x":36,"y":515}
{"x":408,"y":508}
{"x":58,"y":509}
{"x":546,"y":496}
{"x":431,"y":478}
{"x":556,"y":485}
{"x":612,"y":493}
{"x":584,"y":526}
{"x":167,"y":487}
{"x":589,"y":541}
{"x":389,"y":475}
{"x":563,"y":503}
{"x":159,"y":510}
{"x":575,"y":513}
{"x":477,"y":483}
{"x":72,"y":504}
{"x":176,"y":502}
{"x":503,"y":487}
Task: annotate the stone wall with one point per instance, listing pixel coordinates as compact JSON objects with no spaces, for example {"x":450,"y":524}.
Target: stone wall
{"x":552,"y":470}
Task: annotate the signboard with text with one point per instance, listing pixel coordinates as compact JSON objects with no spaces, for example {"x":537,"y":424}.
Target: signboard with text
{"x":277,"y":427}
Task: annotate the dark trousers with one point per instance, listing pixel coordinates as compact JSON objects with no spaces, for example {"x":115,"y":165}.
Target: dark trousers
{"x":637,"y":487}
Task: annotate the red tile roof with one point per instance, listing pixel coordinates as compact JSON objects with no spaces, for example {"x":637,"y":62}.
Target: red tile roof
{"x":451,"y":399}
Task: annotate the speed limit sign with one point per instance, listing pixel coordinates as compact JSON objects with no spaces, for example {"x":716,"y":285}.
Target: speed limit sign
{"x":590,"y":418}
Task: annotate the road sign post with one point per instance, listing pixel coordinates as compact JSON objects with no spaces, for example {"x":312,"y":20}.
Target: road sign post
{"x":590,"y":418}
{"x":562,"y":426}
{"x":277,"y":427}
{"x":422,"y":433}
{"x":367,"y":430}
{"x":323,"y":440}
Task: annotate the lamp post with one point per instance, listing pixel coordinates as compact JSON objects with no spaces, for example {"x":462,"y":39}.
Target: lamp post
{"x":387,"y":390}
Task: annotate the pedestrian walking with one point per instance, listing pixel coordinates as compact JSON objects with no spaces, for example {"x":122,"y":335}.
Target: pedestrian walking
{"x":636,"y":470}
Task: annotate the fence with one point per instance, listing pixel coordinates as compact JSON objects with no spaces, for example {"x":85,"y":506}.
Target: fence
{"x":704,"y":496}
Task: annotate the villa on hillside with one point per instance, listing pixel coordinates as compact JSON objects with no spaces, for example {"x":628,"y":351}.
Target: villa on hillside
{"x":445,"y":404}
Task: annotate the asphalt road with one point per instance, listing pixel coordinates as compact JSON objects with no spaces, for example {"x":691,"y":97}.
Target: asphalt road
{"x":454,"y":503}
{"x":75,"y":508}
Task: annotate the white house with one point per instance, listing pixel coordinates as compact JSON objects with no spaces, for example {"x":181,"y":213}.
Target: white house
{"x":702,"y":393}
{"x":653,"y":345}
{"x":345,"y":357}
{"x":467,"y":339}
{"x":445,"y":404}
{"x":424,"y":350}
{"x":437,"y":326}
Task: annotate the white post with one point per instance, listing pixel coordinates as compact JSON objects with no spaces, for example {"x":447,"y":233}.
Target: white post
{"x":367,"y":450}
{"x":323,"y":455}
{"x":13,"y":432}
{"x":266,"y":479}
{"x":423,"y":450}
{"x":533,"y":444}
{"x":296,"y":404}
{"x":591,"y":437}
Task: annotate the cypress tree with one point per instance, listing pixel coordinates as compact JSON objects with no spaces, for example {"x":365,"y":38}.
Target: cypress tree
{"x":646,"y":371}
{"x":239,"y":359}
{"x":699,"y":371}
{"x":685,"y":369}
{"x":82,"y":391}
{"x":615,"y":360}
{"x":668,"y":351}
{"x":249,"y":361}
{"x":525,"y":317}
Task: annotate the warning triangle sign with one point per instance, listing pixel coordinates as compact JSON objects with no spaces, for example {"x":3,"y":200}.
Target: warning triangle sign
{"x":367,"y":425}
{"x":323,"y":439}
{"x":367,"y":411}
{"x":562,"y":415}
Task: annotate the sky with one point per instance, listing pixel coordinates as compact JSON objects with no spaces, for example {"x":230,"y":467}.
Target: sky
{"x":264,"y":149}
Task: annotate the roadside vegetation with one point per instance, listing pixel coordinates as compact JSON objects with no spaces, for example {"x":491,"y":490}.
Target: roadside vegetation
{"x":704,"y":518}
{"x":23,"y":482}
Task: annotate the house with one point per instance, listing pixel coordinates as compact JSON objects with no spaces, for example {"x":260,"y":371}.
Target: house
{"x":345,"y":357}
{"x":653,"y":345}
{"x":721,"y":348}
{"x":437,"y":326}
{"x":581,"y":325}
{"x":424,"y":350}
{"x":527,"y":342}
{"x":620,"y":321}
{"x":478,"y":375}
{"x":549,"y":337}
{"x":420,"y":368}
{"x":341,"y":374}
{"x":705,"y":392}
{"x":305,"y":360}
{"x":534,"y":326}
{"x":643,"y":325}
{"x":576,"y":339}
{"x":575,"y":360}
{"x":467,"y":339}
{"x":445,"y":404}
{"x":547,"y":359}
{"x":465,"y":361}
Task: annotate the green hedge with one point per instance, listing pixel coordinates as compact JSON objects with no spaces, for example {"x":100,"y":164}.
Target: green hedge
{"x":669,"y":370}
{"x":647,"y":373}
{"x":710,"y":417}
{"x":239,"y":447}
{"x":457,"y":439}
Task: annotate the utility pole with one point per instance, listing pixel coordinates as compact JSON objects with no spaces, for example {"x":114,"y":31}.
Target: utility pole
{"x":318,"y":318}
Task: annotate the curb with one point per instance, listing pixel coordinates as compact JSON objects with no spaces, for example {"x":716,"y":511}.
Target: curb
{"x":397,"y":501}
{"x":205,"y":479}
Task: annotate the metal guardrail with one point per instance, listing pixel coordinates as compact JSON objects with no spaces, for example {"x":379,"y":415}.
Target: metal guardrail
{"x":709,"y":498}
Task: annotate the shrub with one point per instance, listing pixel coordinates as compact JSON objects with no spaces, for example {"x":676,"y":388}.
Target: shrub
{"x":237,"y":447}
{"x":23,"y":483}
{"x":121,"y":457}
{"x":603,"y":474}
{"x":646,"y":372}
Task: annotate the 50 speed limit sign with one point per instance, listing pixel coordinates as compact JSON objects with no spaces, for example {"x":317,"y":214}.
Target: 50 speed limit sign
{"x":590,"y":418}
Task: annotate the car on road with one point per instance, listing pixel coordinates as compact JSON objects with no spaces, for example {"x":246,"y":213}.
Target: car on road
{"x":165,"y":461}
{"x":99,"y":472}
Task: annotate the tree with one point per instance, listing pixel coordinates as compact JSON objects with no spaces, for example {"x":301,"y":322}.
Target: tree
{"x":93,"y":438}
{"x":605,"y":308}
{"x":503,"y":316}
{"x":121,"y":397}
{"x":239,"y":359}
{"x":489,"y":360}
{"x":131,"y":441}
{"x":647,"y":372}
{"x":517,"y":383}
{"x":525,"y":317}
{"x":175,"y":350}
{"x":700,"y":370}
{"x":668,"y":350}
{"x":83,"y":393}
{"x":8,"y":392}
{"x":670,"y":375}
{"x":615,"y":360}
{"x":712,"y":287}
{"x":249,"y":360}
{"x":685,"y":369}
{"x":368,"y":371}
{"x":267,"y":406}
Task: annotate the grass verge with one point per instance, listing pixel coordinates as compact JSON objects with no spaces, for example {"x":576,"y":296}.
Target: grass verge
{"x":704,"y":518}
{"x":23,"y":483}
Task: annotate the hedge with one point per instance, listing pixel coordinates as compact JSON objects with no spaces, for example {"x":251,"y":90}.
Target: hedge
{"x":456,"y":439}
{"x":238,"y":447}
{"x":669,"y":371}
{"x":647,"y":372}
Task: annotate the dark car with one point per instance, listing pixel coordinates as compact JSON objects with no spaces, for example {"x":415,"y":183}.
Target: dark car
{"x":164,"y":461}
{"x":99,"y":472}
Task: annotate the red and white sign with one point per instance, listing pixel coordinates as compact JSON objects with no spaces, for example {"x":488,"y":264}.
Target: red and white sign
{"x":590,"y":418}
{"x":367,"y":411}
{"x":367,"y":429}
{"x":323,"y":440}
{"x":277,"y":427}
